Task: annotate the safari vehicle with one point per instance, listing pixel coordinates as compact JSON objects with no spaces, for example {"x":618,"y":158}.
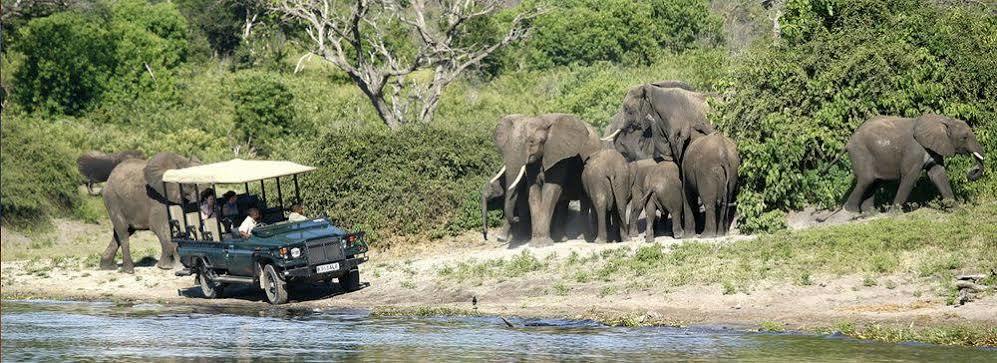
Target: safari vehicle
{"x":278,"y":252}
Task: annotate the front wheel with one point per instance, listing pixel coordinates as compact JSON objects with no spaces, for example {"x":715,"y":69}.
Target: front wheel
{"x":209,"y":287}
{"x":274,"y":285}
{"x":350,"y":281}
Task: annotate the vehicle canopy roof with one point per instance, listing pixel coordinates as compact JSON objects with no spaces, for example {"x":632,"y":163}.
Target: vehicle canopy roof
{"x":235,"y":171}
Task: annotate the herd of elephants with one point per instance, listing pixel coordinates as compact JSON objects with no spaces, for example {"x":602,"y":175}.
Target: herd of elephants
{"x":659,"y":155}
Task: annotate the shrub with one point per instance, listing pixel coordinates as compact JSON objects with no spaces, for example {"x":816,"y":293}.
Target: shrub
{"x":408,"y":182}
{"x":794,"y":105}
{"x":39,"y":172}
{"x":619,"y":31}
{"x":263,"y":108}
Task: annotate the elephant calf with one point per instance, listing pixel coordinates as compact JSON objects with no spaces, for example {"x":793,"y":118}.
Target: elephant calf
{"x":656,"y":186}
{"x":606,"y":180}
{"x":891,"y":148}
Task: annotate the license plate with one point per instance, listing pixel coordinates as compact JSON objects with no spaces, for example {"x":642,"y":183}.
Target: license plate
{"x":329,"y":267}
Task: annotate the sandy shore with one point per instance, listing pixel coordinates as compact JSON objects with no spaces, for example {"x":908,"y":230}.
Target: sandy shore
{"x":414,"y":279}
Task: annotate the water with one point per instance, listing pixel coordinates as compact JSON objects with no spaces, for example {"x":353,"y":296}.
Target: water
{"x":61,"y":331}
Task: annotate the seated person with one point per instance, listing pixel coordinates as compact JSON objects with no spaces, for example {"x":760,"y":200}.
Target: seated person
{"x":297,"y":213}
{"x":230,"y":209}
{"x":246,"y":229}
{"x":207,"y":204}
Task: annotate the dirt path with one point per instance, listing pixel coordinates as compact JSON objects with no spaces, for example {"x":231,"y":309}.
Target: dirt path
{"x":415,"y":278}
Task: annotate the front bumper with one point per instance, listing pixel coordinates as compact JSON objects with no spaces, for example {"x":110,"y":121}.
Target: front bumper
{"x":309,"y":272}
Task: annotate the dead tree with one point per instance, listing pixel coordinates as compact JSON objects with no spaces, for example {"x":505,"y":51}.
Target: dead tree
{"x":354,"y":35}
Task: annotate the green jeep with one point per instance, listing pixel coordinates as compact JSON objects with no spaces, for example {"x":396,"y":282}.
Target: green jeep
{"x":277,"y":252}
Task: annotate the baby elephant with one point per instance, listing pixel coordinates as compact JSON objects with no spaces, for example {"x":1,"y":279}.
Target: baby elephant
{"x":656,"y":187}
{"x":606,"y":180}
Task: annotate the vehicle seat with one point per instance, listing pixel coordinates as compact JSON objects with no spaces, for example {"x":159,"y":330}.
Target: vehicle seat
{"x":273,"y":215}
{"x":193,"y":219}
{"x":211,"y":226}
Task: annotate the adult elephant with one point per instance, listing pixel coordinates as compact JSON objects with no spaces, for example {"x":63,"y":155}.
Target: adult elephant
{"x":892,"y":148}
{"x":96,"y":166}
{"x":546,"y":153}
{"x":136,"y":200}
{"x":709,"y":172}
{"x":659,"y":123}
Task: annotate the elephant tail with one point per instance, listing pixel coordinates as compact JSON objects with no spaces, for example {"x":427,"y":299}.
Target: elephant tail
{"x":825,"y":217}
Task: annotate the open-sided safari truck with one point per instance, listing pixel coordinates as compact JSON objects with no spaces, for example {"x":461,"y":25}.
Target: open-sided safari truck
{"x":278,"y":252}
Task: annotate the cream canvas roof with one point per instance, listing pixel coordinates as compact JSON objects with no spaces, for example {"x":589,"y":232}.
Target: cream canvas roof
{"x":234,"y":171}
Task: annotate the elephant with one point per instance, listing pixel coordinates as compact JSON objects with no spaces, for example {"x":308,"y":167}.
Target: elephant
{"x":137,"y":200}
{"x":96,"y":166}
{"x":709,"y":172}
{"x":656,"y":186}
{"x":892,"y":148}
{"x":546,"y":153}
{"x":606,"y":180}
{"x":492,"y":197}
{"x":659,"y":123}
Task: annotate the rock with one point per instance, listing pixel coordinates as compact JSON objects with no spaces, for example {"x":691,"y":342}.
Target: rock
{"x":967,"y":285}
{"x":973,"y":277}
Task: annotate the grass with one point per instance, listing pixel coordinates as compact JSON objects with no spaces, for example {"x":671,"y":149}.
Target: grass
{"x":959,"y":335}
{"x":925,"y":243}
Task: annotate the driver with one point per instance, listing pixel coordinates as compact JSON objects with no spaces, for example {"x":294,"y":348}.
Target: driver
{"x":249,"y":223}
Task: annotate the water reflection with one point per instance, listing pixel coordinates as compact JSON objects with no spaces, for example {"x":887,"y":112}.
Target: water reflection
{"x":53,"y":330}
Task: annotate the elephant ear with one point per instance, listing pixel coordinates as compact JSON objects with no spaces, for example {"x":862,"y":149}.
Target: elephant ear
{"x":157,"y":166}
{"x":933,"y":134}
{"x":504,"y":128}
{"x":567,"y":137}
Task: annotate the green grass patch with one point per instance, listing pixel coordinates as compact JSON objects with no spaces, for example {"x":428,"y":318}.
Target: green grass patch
{"x":974,"y":336}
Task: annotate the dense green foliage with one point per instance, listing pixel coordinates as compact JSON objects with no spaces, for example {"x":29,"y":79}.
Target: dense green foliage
{"x":619,"y":31}
{"x":789,"y":103}
{"x":263,"y":109}
{"x":39,"y":175}
{"x":796,"y":103}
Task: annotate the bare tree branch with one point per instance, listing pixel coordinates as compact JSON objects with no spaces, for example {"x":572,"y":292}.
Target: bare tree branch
{"x":356,"y":36}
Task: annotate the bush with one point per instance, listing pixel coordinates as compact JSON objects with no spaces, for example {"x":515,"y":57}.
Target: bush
{"x":795,"y":105}
{"x":75,"y":61}
{"x":418,"y":180}
{"x":68,"y":63}
{"x":619,"y":31}
{"x":39,"y":176}
{"x":263,"y":109}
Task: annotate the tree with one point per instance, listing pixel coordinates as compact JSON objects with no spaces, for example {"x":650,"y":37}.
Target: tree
{"x":383,"y":42}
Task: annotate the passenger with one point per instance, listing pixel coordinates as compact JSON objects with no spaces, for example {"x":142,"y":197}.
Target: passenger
{"x":231,"y":208}
{"x":246,"y":229}
{"x":207,"y":203}
{"x":297,"y":213}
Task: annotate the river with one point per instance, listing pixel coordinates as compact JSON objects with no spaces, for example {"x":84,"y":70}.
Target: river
{"x":62,"y":331}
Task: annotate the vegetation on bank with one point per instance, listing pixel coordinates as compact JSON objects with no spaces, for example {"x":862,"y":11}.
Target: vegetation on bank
{"x":927,"y":245}
{"x":181,"y":76}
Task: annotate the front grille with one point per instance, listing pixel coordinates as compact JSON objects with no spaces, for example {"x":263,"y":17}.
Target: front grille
{"x":324,"y":250}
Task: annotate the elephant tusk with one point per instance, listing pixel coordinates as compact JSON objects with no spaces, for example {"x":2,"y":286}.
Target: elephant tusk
{"x":611,"y":136}
{"x":498,"y":175}
{"x":518,"y":177}
{"x":978,"y":156}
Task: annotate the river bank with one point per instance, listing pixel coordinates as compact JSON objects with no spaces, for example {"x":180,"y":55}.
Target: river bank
{"x":841,"y":278}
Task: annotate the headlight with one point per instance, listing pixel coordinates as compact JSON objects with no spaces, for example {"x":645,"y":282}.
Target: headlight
{"x":295,"y":252}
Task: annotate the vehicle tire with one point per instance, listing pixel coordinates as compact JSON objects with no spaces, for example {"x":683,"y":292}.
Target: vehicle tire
{"x":350,"y":281}
{"x":274,"y":286}
{"x":209,"y":288}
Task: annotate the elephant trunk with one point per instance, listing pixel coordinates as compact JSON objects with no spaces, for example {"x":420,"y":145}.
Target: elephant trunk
{"x":977,"y":171}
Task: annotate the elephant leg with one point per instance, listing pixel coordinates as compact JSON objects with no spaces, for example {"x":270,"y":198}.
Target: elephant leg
{"x":688,"y":217}
{"x":505,"y":231}
{"x":651,"y":211}
{"x":674,"y":207}
{"x":862,"y":184}
{"x":127,"y":264}
{"x":907,"y":181}
{"x":168,"y":256}
{"x":599,"y":204}
{"x":559,"y":221}
{"x":586,"y":211}
{"x":548,"y":196}
{"x":710,"y":218}
{"x":107,"y":259}
{"x":621,"y":212}
{"x":868,"y":204}
{"x":938,"y":177}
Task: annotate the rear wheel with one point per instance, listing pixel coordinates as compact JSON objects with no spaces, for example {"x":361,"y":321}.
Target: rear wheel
{"x":209,"y":287}
{"x":273,"y":285}
{"x":350,"y":281}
